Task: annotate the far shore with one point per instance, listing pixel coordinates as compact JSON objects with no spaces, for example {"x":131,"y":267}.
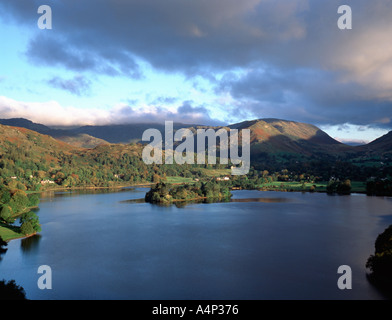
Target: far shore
{"x":92,"y":188}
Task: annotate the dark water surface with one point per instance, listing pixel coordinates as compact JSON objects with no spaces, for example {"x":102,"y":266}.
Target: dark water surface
{"x":272,"y":246}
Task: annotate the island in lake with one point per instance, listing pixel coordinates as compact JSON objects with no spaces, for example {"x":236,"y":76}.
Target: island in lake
{"x":163,"y":193}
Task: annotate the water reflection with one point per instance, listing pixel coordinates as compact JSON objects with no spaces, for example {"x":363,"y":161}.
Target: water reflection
{"x":182,"y":204}
{"x":266,"y":200}
{"x":30,"y":244}
{"x":3,"y":248}
{"x":48,"y":196}
{"x":141,"y":200}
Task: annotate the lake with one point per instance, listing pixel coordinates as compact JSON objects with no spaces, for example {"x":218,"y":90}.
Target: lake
{"x":261,"y":245}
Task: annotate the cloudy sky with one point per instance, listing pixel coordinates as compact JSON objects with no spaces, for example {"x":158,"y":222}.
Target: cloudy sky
{"x":199,"y":61}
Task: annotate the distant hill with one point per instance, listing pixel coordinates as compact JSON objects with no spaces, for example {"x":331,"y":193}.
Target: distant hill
{"x":82,"y":140}
{"x":264,"y":129}
{"x":92,"y":136}
{"x":32,"y":158}
{"x":381,"y":146}
{"x":27,"y":145}
{"x":124,"y":133}
{"x":268,"y":137}
{"x":24,"y":123}
{"x":36,"y":160}
{"x":276,"y":136}
{"x":66,"y":135}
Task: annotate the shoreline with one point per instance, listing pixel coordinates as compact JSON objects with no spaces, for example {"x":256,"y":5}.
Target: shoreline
{"x":19,"y":236}
{"x":22,"y":237}
{"x":140,"y":185}
{"x":91,"y":188}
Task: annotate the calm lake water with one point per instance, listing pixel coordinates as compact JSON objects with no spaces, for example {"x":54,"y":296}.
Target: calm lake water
{"x":274,"y":246}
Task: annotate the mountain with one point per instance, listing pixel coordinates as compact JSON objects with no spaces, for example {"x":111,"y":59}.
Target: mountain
{"x":69,"y":136}
{"x":268,"y":137}
{"x":92,"y":136}
{"x":381,"y":146}
{"x":263,"y":130}
{"x":125,"y":133}
{"x":276,"y":136}
{"x":32,"y":158}
{"x":23,"y":145}
{"x":27,"y":124}
{"x":81,"y":140}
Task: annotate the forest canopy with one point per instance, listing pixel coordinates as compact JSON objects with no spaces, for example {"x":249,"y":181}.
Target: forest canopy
{"x":166,"y":193}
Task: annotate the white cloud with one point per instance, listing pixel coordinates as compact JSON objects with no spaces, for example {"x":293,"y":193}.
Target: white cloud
{"x":50,"y":112}
{"x":53,"y":113}
{"x":292,"y":60}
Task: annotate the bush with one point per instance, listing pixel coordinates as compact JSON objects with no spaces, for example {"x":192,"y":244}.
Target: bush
{"x":27,"y":228}
{"x":11,"y":291}
{"x":19,"y":201}
{"x":6,"y":213}
{"x":33,"y":200}
{"x":30,"y":223}
{"x":380,"y":263}
{"x":3,"y":246}
{"x":344,"y":187}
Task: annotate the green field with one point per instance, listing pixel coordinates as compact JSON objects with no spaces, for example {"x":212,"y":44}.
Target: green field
{"x":215,"y":172}
{"x":356,"y":186}
{"x":6,"y":233}
{"x":179,"y":180}
{"x":293,"y":186}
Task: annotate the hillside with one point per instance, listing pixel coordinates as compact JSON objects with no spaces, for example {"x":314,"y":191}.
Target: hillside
{"x":269,"y":137}
{"x":25,"y":153}
{"x":275,"y":136}
{"x":277,"y":146}
{"x":264,"y":129}
{"x":381,"y":146}
{"x":124,"y":133}
{"x":25,"y":140}
{"x":68,"y":135}
{"x":82,"y":140}
{"x":38,"y":161}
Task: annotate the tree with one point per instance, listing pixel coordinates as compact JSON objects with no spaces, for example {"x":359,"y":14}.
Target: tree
{"x":3,"y":244}
{"x":33,"y":200}
{"x":380,"y":264}
{"x":19,"y":201}
{"x":379,"y":187}
{"x":344,"y":187}
{"x":69,"y":182}
{"x":29,"y":223}
{"x":11,"y":291}
{"x":332,"y":185}
{"x":5,"y":196}
{"x":6,"y":213}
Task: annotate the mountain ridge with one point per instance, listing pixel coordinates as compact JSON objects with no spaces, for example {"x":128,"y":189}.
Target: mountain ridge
{"x":276,"y":146}
{"x":268,"y":135}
